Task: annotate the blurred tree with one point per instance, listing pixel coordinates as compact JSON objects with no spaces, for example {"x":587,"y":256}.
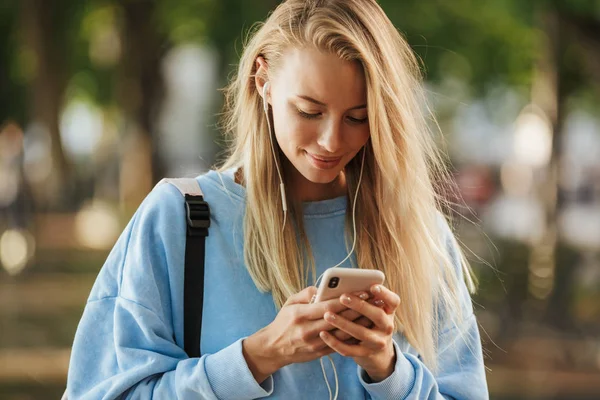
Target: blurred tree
{"x":46,"y":46}
{"x":572,"y":57}
{"x":140,"y":93}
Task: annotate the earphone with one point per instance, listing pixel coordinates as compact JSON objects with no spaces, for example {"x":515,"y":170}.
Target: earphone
{"x":281,"y":186}
{"x":283,"y":198}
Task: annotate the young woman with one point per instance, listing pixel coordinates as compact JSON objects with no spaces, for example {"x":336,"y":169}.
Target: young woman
{"x":328,"y":102}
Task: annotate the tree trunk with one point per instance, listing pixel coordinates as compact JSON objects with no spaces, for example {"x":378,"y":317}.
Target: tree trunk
{"x":140,"y":93}
{"x":47,"y":88}
{"x":550,"y":280}
{"x":545,"y":94}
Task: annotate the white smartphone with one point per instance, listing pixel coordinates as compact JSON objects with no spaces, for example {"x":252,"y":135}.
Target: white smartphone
{"x":337,"y":281}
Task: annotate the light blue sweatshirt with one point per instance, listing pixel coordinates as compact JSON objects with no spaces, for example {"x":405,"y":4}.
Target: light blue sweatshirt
{"x":129,"y":343}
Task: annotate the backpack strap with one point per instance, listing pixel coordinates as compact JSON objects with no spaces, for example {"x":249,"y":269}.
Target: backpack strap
{"x":198,"y":222}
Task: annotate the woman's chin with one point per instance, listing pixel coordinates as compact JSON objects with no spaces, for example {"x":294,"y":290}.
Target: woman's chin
{"x":315,"y":175}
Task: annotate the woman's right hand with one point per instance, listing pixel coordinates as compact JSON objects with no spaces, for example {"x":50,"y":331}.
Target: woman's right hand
{"x":292,"y":337}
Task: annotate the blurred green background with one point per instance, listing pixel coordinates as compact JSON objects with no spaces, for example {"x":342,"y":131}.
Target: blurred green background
{"x":100,"y":99}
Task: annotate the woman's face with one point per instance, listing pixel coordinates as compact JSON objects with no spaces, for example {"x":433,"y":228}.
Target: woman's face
{"x":319,"y":113}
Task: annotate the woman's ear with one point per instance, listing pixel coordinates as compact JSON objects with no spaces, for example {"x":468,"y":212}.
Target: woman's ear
{"x":260,"y":77}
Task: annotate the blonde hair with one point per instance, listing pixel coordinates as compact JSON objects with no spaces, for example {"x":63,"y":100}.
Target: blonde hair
{"x":398,"y":208}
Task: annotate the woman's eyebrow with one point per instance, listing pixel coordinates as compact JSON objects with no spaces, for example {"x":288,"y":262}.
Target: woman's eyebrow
{"x":320,"y":103}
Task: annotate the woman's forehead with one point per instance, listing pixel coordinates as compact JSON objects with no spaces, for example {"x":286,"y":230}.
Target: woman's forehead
{"x":321,"y":75}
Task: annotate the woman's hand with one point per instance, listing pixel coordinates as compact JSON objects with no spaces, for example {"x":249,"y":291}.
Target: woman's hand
{"x":374,"y":351}
{"x":293,"y":337}
{"x":355,"y":316}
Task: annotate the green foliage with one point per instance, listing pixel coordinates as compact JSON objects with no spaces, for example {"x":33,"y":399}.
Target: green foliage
{"x":589,"y":8}
{"x":185,"y":21}
{"x":480,"y":43}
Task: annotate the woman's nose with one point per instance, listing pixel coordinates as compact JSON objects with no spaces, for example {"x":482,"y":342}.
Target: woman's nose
{"x":330,"y":138}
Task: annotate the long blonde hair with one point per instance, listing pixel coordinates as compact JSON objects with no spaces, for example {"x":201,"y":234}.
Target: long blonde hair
{"x":398,"y":207}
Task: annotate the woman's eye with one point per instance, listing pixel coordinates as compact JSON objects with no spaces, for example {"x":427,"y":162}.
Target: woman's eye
{"x":358,"y":120}
{"x":308,"y":115}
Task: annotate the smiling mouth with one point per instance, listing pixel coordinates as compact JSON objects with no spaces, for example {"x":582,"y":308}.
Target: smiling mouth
{"x":323,"y":164}
{"x":324,"y":159}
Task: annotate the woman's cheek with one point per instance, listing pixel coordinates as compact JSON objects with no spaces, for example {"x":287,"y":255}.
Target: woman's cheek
{"x":362,"y":136}
{"x":302,"y":133}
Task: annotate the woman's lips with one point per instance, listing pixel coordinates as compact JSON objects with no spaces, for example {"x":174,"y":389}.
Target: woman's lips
{"x":323,"y":163}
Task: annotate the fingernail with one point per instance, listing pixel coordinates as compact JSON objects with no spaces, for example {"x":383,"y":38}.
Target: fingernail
{"x":377,"y":289}
{"x":346,"y":299}
{"x":378,"y":303}
{"x":330,"y":316}
{"x":363,"y":296}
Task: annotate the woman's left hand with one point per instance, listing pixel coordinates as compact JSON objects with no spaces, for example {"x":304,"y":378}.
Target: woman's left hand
{"x":374,"y":351}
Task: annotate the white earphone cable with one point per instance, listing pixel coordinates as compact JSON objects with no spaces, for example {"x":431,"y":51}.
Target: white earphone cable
{"x":325,"y":375}
{"x":281,"y":186}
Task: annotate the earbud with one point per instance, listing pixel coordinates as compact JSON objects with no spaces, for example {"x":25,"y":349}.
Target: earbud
{"x":264,"y":97}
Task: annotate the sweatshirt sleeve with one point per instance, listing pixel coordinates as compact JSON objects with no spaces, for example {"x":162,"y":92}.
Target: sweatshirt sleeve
{"x":461,"y":373}
{"x":129,"y":342}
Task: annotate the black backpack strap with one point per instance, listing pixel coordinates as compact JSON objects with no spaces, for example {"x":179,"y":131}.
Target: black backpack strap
{"x":198,"y":222}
